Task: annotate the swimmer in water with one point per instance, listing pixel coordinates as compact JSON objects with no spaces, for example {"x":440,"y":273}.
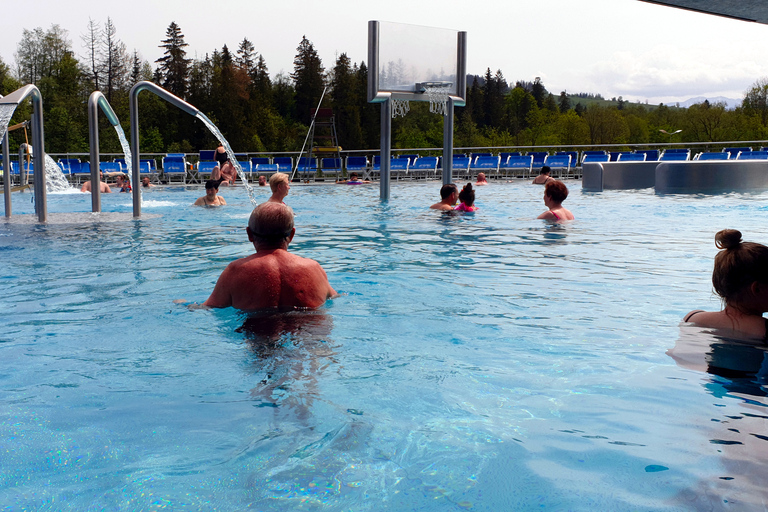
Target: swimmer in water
{"x":543,"y":178}
{"x":449,"y":194}
{"x":740,"y":278}
{"x":467,"y":198}
{"x":555,"y":193}
{"x":211,"y":198}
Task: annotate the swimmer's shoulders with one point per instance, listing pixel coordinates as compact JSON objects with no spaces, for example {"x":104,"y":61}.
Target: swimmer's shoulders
{"x":687,"y":318}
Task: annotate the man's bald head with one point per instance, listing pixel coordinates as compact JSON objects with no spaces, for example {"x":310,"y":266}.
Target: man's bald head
{"x":271,"y":224}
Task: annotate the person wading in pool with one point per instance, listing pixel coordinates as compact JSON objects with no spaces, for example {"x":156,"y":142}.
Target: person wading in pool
{"x":450,"y":195}
{"x":273,"y":277}
{"x":543,"y":178}
{"x":103,"y":187}
{"x":211,"y":198}
{"x":740,"y":278}
{"x":278,"y":182}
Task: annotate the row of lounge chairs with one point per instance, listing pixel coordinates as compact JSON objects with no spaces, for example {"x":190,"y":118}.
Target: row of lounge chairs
{"x":174,"y":166}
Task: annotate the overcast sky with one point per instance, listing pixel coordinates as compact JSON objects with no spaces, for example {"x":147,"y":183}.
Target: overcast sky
{"x":623,"y":48}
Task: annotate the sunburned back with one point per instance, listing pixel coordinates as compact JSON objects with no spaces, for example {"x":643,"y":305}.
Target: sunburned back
{"x":273,"y":279}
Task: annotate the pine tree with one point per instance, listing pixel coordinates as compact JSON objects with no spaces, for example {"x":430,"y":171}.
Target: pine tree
{"x":308,"y":80}
{"x":344,"y":104}
{"x":174,"y":65}
{"x":564,"y":103}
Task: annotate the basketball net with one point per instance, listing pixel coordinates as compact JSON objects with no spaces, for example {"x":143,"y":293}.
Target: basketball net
{"x":400,"y":107}
{"x":438,"y":99}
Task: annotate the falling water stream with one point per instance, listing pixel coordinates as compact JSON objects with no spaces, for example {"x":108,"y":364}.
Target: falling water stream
{"x":124,"y":143}
{"x":214,"y":130}
{"x":6,"y":113}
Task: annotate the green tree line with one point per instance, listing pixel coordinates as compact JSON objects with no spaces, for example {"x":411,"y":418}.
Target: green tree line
{"x":257,"y":113}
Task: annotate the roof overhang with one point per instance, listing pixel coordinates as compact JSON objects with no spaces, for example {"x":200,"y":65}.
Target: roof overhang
{"x":743,"y":10}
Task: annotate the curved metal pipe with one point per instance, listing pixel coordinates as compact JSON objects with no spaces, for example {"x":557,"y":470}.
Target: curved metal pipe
{"x":38,"y":142}
{"x":133,"y":105}
{"x":95,"y":101}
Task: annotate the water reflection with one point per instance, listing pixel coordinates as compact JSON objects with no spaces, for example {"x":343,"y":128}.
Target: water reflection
{"x":742,"y":366}
{"x":291,"y":350}
{"x":736,"y":376}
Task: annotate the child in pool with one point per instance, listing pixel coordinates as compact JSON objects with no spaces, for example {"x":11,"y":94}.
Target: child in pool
{"x":467,"y":198}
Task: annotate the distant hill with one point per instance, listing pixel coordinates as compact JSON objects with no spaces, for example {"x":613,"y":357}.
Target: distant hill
{"x":730,"y":103}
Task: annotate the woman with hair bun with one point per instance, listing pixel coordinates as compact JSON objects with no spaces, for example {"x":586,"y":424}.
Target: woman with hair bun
{"x":555,"y":193}
{"x":467,"y":198}
{"x":740,"y":278}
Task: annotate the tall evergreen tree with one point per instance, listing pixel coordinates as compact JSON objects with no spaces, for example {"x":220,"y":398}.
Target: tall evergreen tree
{"x":564,"y":103}
{"x":174,"y":65}
{"x":308,"y":80}
{"x":539,"y":92}
{"x":345,"y":104}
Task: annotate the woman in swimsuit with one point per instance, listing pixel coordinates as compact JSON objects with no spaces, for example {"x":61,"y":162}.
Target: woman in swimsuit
{"x":226,"y":168}
{"x":740,"y":278}
{"x":210,"y":198}
{"x":555,"y":193}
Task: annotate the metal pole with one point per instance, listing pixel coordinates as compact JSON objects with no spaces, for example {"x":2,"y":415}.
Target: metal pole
{"x":38,"y":142}
{"x":448,"y":143}
{"x":386,"y":144}
{"x":93,"y":128}
{"x":133,"y":106}
{"x":38,"y":145}
{"x":6,"y":175}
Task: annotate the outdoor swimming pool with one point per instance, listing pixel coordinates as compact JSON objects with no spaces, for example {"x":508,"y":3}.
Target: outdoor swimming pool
{"x":484,"y":361}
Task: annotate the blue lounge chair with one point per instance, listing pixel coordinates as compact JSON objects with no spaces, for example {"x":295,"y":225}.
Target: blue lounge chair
{"x":398,"y":167}
{"x":174,"y":167}
{"x":306,"y":168}
{"x":538,"y":158}
{"x":651,"y":155}
{"x":560,"y":162}
{"x":597,"y":156}
{"x":714,"y":155}
{"x":519,"y":165}
{"x":753,"y":155}
{"x":258,"y":160}
{"x":487,"y":164}
{"x":632,"y":157}
{"x":285,"y":163}
{"x":205,"y":168}
{"x":358,"y":165}
{"x":426,"y":165}
{"x":675,"y":155}
{"x":331,"y":166}
{"x":461,"y":166}
{"x":265,"y":169}
{"x":733,"y":153}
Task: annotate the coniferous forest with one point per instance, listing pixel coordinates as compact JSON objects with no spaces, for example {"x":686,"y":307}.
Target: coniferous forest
{"x":259,"y":113}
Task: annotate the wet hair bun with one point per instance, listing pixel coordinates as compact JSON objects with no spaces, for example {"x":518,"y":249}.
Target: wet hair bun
{"x":727,"y":238}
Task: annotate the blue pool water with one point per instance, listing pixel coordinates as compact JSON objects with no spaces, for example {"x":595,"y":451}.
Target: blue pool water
{"x":486,"y":361}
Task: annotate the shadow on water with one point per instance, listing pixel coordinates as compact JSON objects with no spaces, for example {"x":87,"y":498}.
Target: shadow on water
{"x":291,"y":349}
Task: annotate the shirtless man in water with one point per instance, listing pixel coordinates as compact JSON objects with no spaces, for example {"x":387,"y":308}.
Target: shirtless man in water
{"x":103,"y":187}
{"x":449,"y":194}
{"x":273,"y":277}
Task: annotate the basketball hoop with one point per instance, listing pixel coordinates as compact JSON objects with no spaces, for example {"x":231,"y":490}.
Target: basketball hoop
{"x":400,"y":107}
{"x":437,"y":92}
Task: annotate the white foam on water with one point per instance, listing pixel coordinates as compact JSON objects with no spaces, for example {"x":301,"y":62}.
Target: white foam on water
{"x":149,"y":203}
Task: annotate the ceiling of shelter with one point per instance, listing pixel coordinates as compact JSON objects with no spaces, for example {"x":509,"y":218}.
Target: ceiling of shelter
{"x":745,"y":10}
